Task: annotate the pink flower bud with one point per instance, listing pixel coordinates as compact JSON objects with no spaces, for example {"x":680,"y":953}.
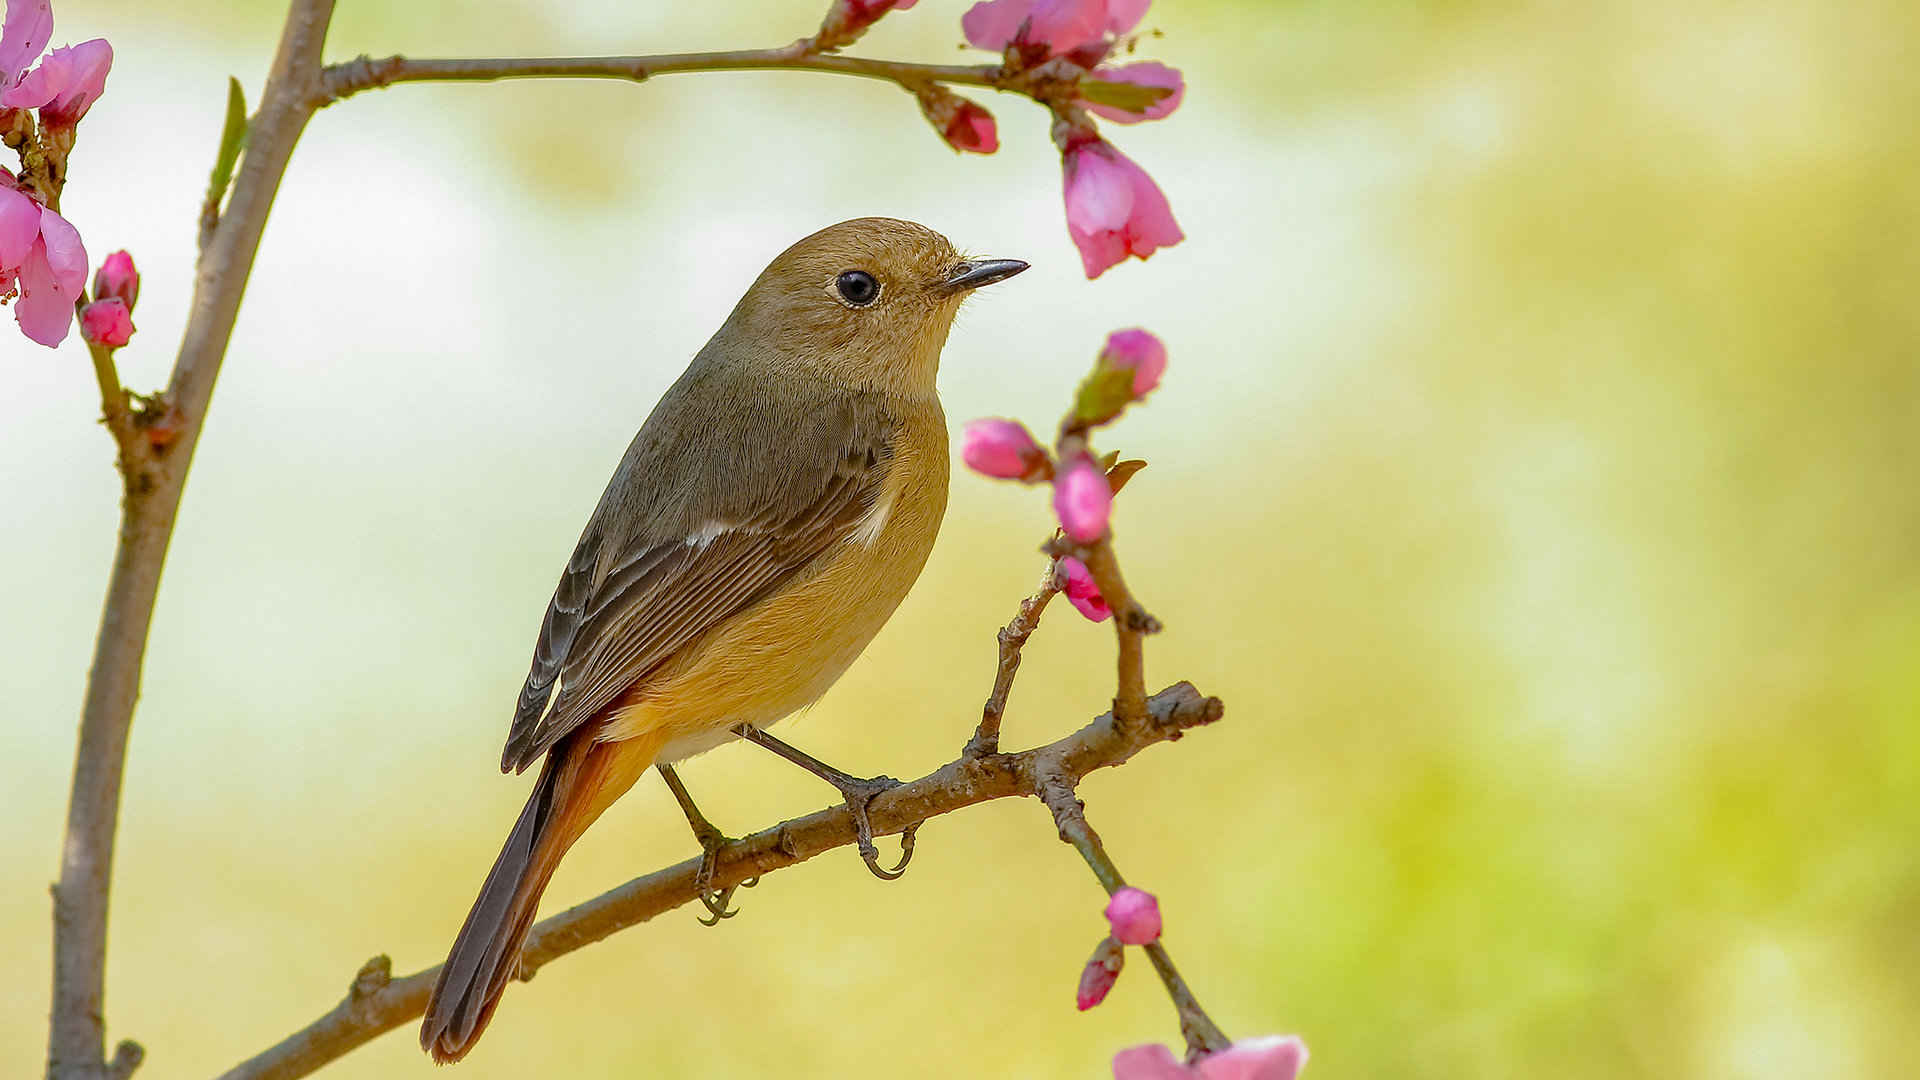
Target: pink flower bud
{"x":1002,"y":449}
{"x":106,"y":322}
{"x":1139,"y":352}
{"x":1101,"y":972}
{"x":847,"y":19}
{"x":964,"y":124}
{"x":1111,"y":85}
{"x":65,"y":85}
{"x":1135,"y":916}
{"x":1114,"y":209}
{"x":1082,"y":593}
{"x":117,"y":278}
{"x":1083,"y":500}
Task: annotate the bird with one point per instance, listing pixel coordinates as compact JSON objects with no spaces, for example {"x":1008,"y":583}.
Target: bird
{"x":765,"y":522}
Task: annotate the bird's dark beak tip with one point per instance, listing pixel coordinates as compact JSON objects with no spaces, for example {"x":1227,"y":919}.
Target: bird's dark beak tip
{"x":977,"y":272}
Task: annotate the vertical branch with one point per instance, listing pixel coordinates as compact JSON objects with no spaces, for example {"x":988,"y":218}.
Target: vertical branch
{"x":1013,"y":637}
{"x":76,"y":1041}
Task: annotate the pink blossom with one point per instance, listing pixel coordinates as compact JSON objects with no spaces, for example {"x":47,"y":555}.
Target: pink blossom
{"x":1140,"y":352}
{"x":106,"y":322}
{"x":1061,"y":25}
{"x":1114,"y":209}
{"x":1271,"y":1057}
{"x":117,"y":278}
{"x":1134,"y":915}
{"x":66,"y":83}
{"x":1083,"y":500}
{"x":1147,"y":73}
{"x":40,"y":256}
{"x":1000,"y":448}
{"x":1081,"y":591}
{"x":28,"y":28}
{"x":1101,"y":972}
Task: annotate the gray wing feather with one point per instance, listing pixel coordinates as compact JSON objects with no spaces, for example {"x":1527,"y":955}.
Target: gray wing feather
{"x":706,"y":514}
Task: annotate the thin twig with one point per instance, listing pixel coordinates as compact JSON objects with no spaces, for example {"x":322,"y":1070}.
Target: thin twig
{"x":1012,"y":637}
{"x":366,"y":73}
{"x":372,"y":1009}
{"x":1131,"y":625}
{"x":77,"y":1038}
{"x":1056,"y":789}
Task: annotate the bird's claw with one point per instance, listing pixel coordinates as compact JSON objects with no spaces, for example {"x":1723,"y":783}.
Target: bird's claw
{"x":715,"y":900}
{"x":858,"y":794}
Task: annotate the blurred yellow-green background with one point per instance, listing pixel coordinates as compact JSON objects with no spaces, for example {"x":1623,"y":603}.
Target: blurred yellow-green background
{"x":1537,"y":479}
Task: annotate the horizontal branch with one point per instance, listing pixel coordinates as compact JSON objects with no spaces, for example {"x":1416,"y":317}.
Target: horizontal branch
{"x":365,"y":73}
{"x":378,"y":1003}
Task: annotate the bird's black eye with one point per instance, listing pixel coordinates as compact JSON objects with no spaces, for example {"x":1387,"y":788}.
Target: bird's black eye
{"x":857,"y":287}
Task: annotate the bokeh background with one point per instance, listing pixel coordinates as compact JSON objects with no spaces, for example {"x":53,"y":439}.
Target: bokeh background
{"x":1535,"y":479}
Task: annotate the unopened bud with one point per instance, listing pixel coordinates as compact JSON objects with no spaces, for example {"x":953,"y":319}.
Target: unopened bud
{"x":1134,"y":915}
{"x":1003,"y":449}
{"x":1101,"y":972}
{"x":1083,"y":500}
{"x":106,"y":323}
{"x":117,"y":278}
{"x":964,"y":124}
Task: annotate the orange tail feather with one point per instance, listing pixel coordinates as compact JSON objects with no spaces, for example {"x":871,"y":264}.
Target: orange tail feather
{"x":579,"y":780}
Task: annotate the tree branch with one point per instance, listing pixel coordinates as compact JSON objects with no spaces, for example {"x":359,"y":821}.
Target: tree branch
{"x":365,"y":73}
{"x":1013,"y":637}
{"x":76,"y":1041}
{"x":377,"y":1004}
{"x":1070,"y":816}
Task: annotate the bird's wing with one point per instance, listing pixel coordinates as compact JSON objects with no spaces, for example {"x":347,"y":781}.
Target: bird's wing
{"x":690,"y":533}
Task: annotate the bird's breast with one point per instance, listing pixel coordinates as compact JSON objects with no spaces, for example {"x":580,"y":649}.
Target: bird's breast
{"x":783,"y":653}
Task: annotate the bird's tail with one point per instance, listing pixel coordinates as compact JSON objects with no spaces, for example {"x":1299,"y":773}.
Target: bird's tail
{"x":580,"y":779}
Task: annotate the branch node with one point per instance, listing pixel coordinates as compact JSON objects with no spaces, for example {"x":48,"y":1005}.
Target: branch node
{"x":126,"y":1057}
{"x":373,"y":977}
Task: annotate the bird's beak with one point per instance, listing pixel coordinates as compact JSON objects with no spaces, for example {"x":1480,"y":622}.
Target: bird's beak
{"x":974,"y":273}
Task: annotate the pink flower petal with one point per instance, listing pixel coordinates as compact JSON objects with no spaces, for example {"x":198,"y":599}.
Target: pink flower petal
{"x":1083,"y":501}
{"x":44,"y":310}
{"x":1145,"y":73}
{"x":1105,"y":224}
{"x":1272,"y":1057}
{"x":65,"y":254}
{"x":19,"y":224}
{"x":1081,"y":591}
{"x":28,"y":28}
{"x":1099,"y":189}
{"x":1062,"y":25}
{"x":1154,"y":1062}
{"x":1124,"y":15}
{"x":66,"y":83}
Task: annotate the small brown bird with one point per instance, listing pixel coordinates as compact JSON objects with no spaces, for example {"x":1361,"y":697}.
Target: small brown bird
{"x":770,"y":515}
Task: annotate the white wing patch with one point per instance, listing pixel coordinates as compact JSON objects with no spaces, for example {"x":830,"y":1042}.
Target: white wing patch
{"x":867,"y":533}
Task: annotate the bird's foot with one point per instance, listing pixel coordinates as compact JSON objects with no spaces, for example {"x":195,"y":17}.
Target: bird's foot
{"x":712,"y":840}
{"x":859,"y":793}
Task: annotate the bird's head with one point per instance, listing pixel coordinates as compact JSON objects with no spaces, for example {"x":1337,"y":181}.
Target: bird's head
{"x":867,"y":302}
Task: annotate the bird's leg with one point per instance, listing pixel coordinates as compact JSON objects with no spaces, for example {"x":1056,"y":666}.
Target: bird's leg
{"x":856,"y":791}
{"x":711,"y":841}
